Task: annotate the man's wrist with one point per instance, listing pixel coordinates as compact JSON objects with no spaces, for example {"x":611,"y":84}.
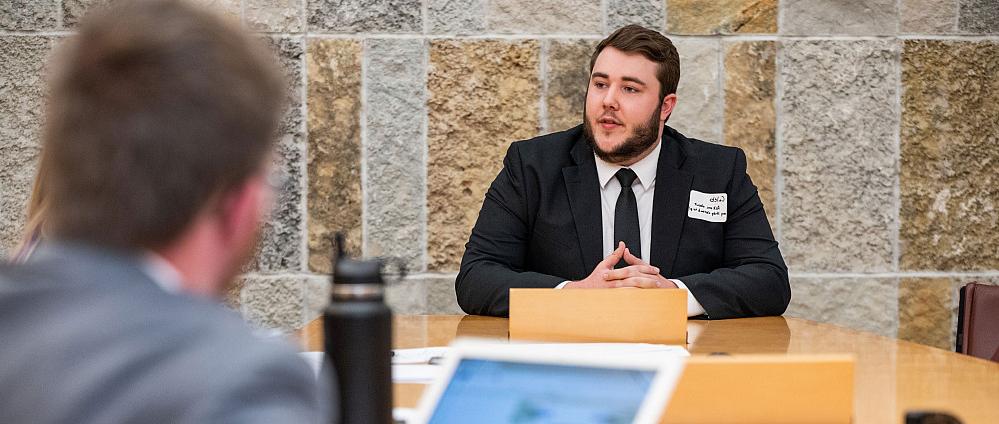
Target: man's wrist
{"x":563,"y":284}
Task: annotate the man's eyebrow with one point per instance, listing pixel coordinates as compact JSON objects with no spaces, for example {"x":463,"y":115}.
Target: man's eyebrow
{"x":634,"y":80}
{"x":625,"y":78}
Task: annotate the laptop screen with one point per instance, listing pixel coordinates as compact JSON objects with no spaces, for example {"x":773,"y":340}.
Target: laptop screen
{"x":488,"y":391}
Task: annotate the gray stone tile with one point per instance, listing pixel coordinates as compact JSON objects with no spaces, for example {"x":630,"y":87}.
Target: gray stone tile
{"x":274,"y":302}
{"x":462,"y":17}
{"x":441,"y":298}
{"x":566,"y":81}
{"x":234,"y":293}
{"x":28,"y":15}
{"x":927,"y":16}
{"x":281,"y":240}
{"x":839,"y":17}
{"x":395,"y":194}
{"x":273,"y":15}
{"x":365,"y":15}
{"x":545,"y":16}
{"x":407,"y":297}
{"x":866,"y":304}
{"x":317,"y":296}
{"x":647,"y":13}
{"x":74,"y":10}
{"x":840,"y":154}
{"x":699,"y":109}
{"x":979,"y":16}
{"x":231,"y":9}
{"x":22,"y":85}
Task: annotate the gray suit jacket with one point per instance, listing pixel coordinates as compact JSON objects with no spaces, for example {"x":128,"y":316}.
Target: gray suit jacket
{"x":87,"y":337}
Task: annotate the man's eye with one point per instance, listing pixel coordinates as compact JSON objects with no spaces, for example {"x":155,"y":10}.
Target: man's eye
{"x":630,"y":89}
{"x":599,"y":84}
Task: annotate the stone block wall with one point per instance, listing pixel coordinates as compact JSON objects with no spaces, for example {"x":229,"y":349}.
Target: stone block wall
{"x":870,"y":127}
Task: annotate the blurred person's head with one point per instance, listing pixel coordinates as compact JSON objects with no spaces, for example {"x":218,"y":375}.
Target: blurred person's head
{"x":631,"y":93}
{"x":160,"y":126}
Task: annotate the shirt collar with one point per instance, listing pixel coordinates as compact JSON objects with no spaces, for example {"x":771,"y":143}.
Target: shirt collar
{"x":645,"y":168}
{"x":162,"y":272}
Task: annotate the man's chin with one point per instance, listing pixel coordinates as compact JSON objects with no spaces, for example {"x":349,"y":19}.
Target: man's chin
{"x":608,"y":151}
{"x":608,"y":145}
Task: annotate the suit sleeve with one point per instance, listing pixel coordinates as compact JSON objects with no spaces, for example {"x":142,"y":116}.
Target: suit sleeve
{"x":272,"y":387}
{"x":752,"y":280}
{"x":495,"y":254}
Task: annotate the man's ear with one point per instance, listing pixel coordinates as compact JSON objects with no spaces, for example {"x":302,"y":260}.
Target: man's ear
{"x":242,"y":209}
{"x":669,"y":102}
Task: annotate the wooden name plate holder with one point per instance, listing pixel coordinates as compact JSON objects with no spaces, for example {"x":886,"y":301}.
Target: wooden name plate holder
{"x":758,"y":389}
{"x":599,"y":315}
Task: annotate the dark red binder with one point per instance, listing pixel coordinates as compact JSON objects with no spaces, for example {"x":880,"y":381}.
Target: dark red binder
{"x":978,"y":321}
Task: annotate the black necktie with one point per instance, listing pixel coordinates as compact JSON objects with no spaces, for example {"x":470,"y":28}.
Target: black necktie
{"x":626,"y":216}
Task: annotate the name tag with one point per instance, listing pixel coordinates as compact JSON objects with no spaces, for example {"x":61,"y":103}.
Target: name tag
{"x":711,"y":207}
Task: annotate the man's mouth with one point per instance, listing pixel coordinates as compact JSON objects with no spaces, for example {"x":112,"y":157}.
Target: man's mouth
{"x":608,"y":122}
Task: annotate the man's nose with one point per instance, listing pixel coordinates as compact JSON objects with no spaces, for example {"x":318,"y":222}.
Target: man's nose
{"x":610,"y":99}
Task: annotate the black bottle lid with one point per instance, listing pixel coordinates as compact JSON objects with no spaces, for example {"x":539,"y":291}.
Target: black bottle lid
{"x":347,"y":270}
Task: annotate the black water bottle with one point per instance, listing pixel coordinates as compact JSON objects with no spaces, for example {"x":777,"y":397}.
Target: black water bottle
{"x":358,"y":338}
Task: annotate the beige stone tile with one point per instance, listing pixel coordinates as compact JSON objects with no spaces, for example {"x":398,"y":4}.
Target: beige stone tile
{"x":750,"y":118}
{"x":483,"y":95}
{"x":721,"y":16}
{"x":334,"y":151}
{"x":949,"y":186}
{"x":924,"y":311}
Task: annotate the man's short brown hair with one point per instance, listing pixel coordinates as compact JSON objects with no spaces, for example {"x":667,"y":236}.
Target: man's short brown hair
{"x":156,"y":108}
{"x":651,"y":44}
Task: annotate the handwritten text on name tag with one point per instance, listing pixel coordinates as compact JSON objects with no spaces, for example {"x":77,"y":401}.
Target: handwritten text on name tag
{"x":712,"y":207}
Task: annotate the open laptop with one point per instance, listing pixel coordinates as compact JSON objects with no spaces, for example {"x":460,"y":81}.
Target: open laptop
{"x":509,"y":383}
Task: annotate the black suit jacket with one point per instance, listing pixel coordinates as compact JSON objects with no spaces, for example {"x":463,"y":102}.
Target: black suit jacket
{"x":541,"y":224}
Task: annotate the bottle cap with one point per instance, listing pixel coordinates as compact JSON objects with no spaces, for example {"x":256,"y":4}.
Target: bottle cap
{"x":347,"y":270}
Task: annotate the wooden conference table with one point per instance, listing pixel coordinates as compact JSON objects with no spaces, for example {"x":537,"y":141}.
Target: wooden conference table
{"x":891,"y":376}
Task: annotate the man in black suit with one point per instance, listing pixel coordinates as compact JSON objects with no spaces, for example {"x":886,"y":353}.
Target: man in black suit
{"x":689,"y":216}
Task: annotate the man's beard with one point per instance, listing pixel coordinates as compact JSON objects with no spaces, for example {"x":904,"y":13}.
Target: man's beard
{"x":641,"y":140}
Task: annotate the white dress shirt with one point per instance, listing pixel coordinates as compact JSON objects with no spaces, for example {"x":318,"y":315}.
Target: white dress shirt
{"x":644,"y":188}
{"x":162,"y":273}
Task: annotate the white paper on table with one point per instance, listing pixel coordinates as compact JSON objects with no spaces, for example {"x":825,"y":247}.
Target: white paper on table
{"x":419,"y":355}
{"x":413,"y":365}
{"x":407,"y":373}
{"x":422,"y":373}
{"x":402,"y":415}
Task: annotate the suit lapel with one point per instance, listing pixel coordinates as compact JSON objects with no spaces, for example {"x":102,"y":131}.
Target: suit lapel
{"x":669,"y":204}
{"x":583,"y":188}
